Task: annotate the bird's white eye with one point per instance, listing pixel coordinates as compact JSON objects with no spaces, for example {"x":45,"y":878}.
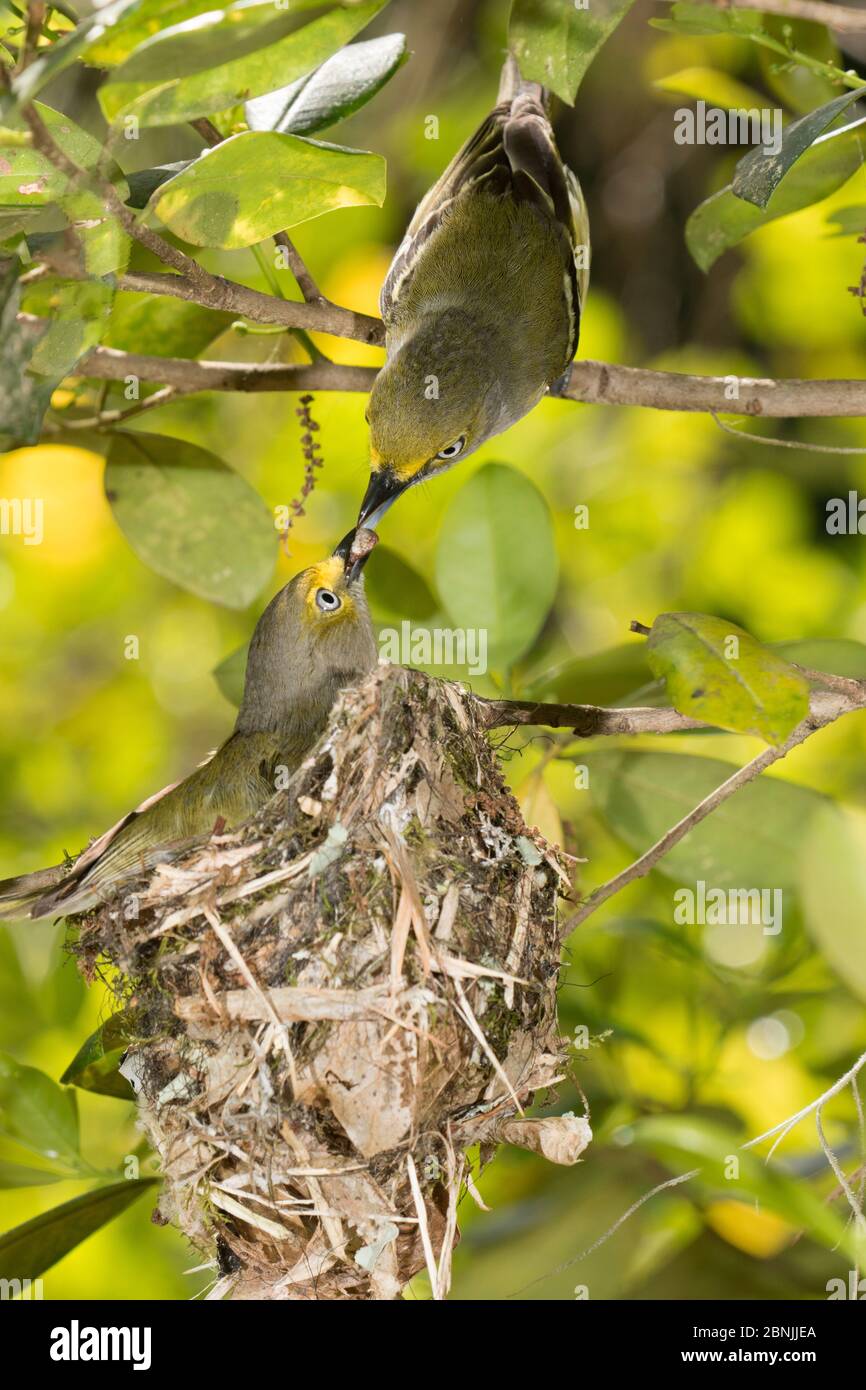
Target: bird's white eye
{"x":452,"y":451}
{"x":327,"y":600}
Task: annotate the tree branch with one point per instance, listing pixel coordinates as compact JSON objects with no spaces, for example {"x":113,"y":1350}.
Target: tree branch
{"x":589,"y":382}
{"x":598,"y":383}
{"x":188,"y":375}
{"x":215,"y":292}
{"x":595,"y":721}
{"x":842,"y":18}
{"x":586,"y":721}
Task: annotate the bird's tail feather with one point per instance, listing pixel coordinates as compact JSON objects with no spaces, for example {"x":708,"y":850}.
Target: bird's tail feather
{"x":19,"y":896}
{"x":511,"y":84}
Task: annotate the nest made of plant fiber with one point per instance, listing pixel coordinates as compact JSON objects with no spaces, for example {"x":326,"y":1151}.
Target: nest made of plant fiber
{"x":331,"y":1005}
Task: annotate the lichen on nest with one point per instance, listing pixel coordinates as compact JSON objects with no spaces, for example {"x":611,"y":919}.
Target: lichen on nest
{"x":332,"y":1005}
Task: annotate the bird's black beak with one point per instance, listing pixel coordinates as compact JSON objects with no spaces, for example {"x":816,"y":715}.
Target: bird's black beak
{"x":355,"y":549}
{"x":383,"y":489}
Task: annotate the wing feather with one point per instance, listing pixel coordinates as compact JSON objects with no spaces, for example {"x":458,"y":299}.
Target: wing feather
{"x":512,"y":153}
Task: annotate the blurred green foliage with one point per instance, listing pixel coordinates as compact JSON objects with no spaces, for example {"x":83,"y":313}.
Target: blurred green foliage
{"x":695,"y":1031}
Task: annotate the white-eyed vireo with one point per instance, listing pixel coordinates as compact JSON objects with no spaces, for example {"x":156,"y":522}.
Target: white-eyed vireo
{"x":483,"y":299}
{"x":314,"y":638}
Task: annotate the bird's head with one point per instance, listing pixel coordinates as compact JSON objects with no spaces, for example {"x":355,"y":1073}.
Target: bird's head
{"x":315,"y":633}
{"x":435,"y":400}
{"x":330,"y":596}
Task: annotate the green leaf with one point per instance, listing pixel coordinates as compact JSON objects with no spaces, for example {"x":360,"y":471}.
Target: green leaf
{"x":200,"y":93}
{"x":847,"y":221}
{"x":496,"y":562}
{"x":190,"y":517}
{"x":54,"y":60}
{"x":260,"y":182}
{"x":230,"y":673}
{"x":28,"y":1250}
{"x":669,"y":941}
{"x":140,"y":22}
{"x":24,"y":394}
{"x":105,"y":244}
{"x":687,"y":1141}
{"x":394,"y":587}
{"x":144,"y":183}
{"x":833,"y":885}
{"x":95,"y":1065}
{"x":554,"y":41}
{"x":17,"y":1175}
{"x":159,"y":326}
{"x":37,"y":1113}
{"x":840,"y":656}
{"x":240,"y":27}
{"x":723,"y":220}
{"x":610,"y":677}
{"x":75,"y":312}
{"x":15,"y":221}
{"x":755,"y":839}
{"x":759,"y":173}
{"x":340,"y":86}
{"x":716,"y":672}
{"x":28,"y":178}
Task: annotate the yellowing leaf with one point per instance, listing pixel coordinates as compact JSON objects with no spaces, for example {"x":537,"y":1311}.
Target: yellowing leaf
{"x":716,"y":672}
{"x":260,"y":182}
{"x":758,"y":1232}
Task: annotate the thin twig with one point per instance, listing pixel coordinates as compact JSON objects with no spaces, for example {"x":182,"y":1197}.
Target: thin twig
{"x":306,"y":284}
{"x":834,"y":1163}
{"x":834,"y":707}
{"x":782,"y":1129}
{"x":35,"y":20}
{"x":107,"y":418}
{"x":44,"y":142}
{"x":784,"y":443}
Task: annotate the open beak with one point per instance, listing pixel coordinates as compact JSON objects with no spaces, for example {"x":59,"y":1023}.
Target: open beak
{"x":355,"y":549}
{"x":383,"y":490}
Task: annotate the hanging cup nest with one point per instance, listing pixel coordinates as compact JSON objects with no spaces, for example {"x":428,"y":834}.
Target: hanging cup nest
{"x":329,"y":1007}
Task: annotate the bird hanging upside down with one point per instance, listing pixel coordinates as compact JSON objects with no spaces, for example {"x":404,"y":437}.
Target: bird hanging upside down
{"x":483,"y":299}
{"x":313,"y":639}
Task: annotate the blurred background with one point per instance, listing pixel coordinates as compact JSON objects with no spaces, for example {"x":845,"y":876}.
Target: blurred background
{"x":681,"y":516}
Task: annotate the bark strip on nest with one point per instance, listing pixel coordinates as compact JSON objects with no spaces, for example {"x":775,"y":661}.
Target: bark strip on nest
{"x":332,"y":1005}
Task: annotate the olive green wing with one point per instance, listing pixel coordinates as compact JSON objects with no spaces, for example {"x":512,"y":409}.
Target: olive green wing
{"x":513,"y":154}
{"x":222,"y":793}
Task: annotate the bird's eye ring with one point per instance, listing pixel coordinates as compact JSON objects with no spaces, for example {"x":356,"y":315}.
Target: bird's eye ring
{"x":453,"y":451}
{"x":327,"y":600}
